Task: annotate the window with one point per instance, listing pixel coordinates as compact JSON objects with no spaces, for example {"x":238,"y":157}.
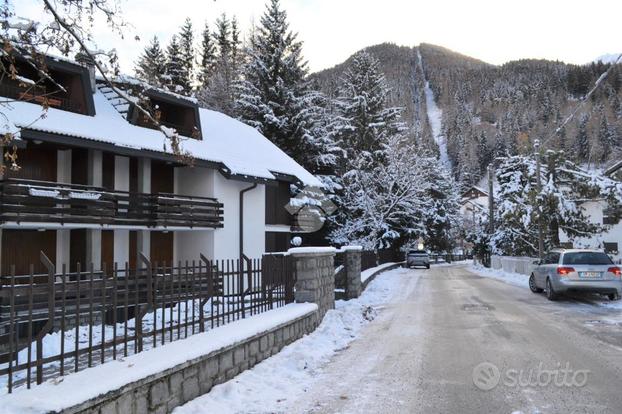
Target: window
{"x":551,"y":258}
{"x":608,"y":217}
{"x":173,"y":113}
{"x":74,"y":94}
{"x":593,"y":258}
{"x":611,"y":247}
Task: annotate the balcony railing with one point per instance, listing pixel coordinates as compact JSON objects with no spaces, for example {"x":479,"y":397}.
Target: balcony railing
{"x":49,"y":202}
{"x":38,"y":95}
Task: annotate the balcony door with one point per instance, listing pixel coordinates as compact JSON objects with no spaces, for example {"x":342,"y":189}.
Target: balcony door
{"x":162,"y":178}
{"x":162,"y":247}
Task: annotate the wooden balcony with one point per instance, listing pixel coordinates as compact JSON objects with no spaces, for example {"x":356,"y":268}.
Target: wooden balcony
{"x":39,"y":96}
{"x":49,"y":202}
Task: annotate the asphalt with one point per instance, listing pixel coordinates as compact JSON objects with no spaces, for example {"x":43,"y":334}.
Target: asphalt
{"x":423,"y":354}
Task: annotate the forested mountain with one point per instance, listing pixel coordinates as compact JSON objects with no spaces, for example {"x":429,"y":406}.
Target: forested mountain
{"x":490,"y":110}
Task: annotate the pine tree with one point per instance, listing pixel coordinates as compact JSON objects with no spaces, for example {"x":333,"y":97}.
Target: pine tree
{"x":582,"y":144}
{"x":499,"y":150}
{"x":151,"y":65}
{"x":606,"y":137}
{"x":364,"y":120}
{"x":208,"y":57}
{"x":186,"y":47}
{"x":520,"y":204}
{"x":235,"y":44}
{"x":484,"y":155}
{"x":382,"y":205}
{"x":174,"y":67}
{"x":222,"y":37}
{"x":273,"y":96}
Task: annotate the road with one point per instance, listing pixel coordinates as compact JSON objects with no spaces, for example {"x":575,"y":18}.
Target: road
{"x":419,"y":355}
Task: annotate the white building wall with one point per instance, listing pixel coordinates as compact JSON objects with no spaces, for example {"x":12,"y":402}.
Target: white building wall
{"x":226,"y":240}
{"x":594,"y":210}
{"x":63,"y":175}
{"x":121,"y":182}
{"x":189,"y":245}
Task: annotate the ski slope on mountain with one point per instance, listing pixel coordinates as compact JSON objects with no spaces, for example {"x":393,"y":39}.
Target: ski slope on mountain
{"x":435,"y":116}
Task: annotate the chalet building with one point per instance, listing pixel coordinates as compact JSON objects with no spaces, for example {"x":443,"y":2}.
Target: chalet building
{"x":99,"y":184}
{"x":611,"y":239}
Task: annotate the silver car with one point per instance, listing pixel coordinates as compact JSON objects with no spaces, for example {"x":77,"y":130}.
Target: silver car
{"x":417,"y":258}
{"x":576,"y":270}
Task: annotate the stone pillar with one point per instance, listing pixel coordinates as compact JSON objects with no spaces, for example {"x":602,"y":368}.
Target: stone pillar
{"x":352,"y":263}
{"x":314,"y":269}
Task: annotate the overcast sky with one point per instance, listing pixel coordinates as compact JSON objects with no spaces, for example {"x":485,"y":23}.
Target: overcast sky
{"x":495,"y":31}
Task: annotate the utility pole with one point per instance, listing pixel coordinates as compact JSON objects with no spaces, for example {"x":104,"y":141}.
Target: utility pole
{"x":536,"y":145}
{"x":491,"y":201}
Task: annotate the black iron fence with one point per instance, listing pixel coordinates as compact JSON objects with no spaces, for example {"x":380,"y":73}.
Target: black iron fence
{"x":68,"y":321}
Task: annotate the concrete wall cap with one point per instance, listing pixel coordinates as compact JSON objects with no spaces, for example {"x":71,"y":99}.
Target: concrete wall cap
{"x":299,"y":251}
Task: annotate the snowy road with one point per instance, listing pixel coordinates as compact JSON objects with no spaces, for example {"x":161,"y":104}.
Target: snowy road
{"x":419,"y":355}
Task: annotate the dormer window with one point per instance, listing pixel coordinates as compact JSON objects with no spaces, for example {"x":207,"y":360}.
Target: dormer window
{"x":172,"y":112}
{"x":67,"y":87}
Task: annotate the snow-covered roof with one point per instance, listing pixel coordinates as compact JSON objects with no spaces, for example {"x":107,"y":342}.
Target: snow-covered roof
{"x":239,"y":147}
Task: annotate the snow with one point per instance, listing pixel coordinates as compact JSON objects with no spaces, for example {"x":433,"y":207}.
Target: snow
{"x":435,"y":116}
{"x":305,"y":250}
{"x":366,"y":274}
{"x":515,"y":279}
{"x":350,"y":249}
{"x":241,"y":148}
{"x":521,"y":280}
{"x":282,"y":379}
{"x":73,"y":389}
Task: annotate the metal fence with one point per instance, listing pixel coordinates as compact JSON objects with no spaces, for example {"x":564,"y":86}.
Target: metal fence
{"x":68,"y":321}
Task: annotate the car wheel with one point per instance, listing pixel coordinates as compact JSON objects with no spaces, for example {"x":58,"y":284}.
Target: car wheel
{"x":550,"y":292}
{"x":532,"y":285}
{"x":427,"y":266}
{"x":613,"y":296}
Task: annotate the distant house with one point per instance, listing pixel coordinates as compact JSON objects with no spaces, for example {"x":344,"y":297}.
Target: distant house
{"x":611,"y":239}
{"x":98,"y":184}
{"x":474,"y":207}
{"x":474,"y":212}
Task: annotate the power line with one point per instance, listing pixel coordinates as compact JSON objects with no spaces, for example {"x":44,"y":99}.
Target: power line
{"x":582,"y":101}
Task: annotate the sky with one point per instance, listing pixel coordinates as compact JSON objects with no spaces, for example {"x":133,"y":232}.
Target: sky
{"x":496,"y":31}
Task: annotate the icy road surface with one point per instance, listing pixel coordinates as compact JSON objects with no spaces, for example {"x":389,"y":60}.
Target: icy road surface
{"x":419,"y":355}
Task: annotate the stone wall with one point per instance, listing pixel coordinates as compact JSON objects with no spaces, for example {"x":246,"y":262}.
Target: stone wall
{"x":162,"y":392}
{"x":315,"y":277}
{"x":352,"y":263}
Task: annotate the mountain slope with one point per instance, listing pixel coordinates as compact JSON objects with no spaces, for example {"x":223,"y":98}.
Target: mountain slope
{"x":488,"y":110}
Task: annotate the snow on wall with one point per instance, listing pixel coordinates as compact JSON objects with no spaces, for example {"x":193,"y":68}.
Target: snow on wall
{"x":54,"y":396}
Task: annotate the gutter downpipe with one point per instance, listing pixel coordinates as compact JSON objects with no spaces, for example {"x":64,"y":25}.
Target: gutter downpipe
{"x":242,"y":218}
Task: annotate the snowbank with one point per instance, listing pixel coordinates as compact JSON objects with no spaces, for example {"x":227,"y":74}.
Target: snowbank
{"x":271,"y":385}
{"x":73,"y":389}
{"x":366,"y":274}
{"x":516,"y":279}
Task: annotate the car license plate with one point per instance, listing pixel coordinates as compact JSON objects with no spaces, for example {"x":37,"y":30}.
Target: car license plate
{"x":590,"y":275}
